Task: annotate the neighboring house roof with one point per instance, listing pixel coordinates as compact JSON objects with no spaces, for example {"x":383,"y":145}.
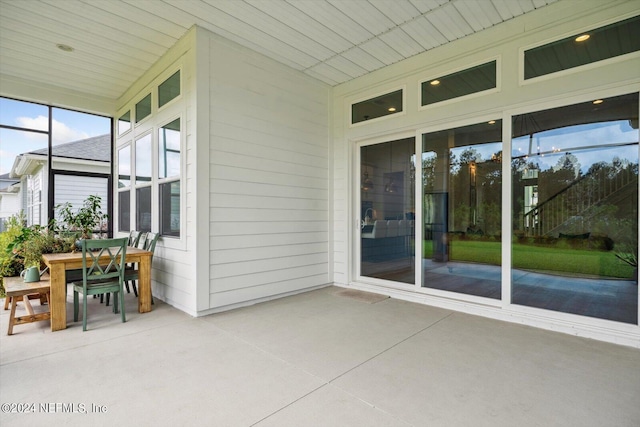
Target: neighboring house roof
{"x":95,"y":151}
{"x":96,"y":148}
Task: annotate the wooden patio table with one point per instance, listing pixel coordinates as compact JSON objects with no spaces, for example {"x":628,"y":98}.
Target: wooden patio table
{"x":59,"y":264}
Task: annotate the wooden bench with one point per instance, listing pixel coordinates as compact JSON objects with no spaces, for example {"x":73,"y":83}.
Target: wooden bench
{"x":16,"y":289}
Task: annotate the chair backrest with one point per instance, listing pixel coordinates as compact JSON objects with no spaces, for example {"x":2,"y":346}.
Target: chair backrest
{"x":142,"y":241}
{"x":134,"y":238}
{"x":150,"y":241}
{"x":103,"y":259}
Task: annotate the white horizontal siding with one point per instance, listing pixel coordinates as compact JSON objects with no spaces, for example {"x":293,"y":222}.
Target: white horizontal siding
{"x":269,"y":195}
{"x":76,"y":189}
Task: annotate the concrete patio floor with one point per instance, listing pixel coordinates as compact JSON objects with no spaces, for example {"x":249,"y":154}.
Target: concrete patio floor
{"x":320,"y":358}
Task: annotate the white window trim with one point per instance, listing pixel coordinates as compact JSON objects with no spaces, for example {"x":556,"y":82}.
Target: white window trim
{"x":149,"y":125}
{"x":180,"y":177}
{"x":438,"y":104}
{"x":350,"y":104}
{"x":592,"y":65}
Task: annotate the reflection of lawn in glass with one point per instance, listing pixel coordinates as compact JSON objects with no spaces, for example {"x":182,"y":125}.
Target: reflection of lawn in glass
{"x":538,"y":258}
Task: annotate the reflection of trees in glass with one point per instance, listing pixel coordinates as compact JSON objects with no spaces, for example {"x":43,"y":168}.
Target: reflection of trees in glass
{"x":429,"y":171}
{"x":574,"y":202}
{"x":476,"y":192}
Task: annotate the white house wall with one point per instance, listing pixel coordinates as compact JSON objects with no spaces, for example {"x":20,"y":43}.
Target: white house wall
{"x":174,"y":263}
{"x":9,"y":204}
{"x":504,"y":42}
{"x":268,"y":179}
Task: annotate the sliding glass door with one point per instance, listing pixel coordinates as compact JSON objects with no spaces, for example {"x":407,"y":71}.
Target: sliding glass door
{"x":387,"y":210}
{"x":461,"y":209}
{"x":575,"y":209}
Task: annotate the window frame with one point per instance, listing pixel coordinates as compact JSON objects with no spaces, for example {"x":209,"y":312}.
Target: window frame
{"x":170,"y":179}
{"x":580,"y":68}
{"x":126,"y":145}
{"x":350,"y":104}
{"x":175,"y":99}
{"x":159,"y":117}
{"x":498,"y":88}
{"x":117,"y":122}
{"x":135,"y":185}
{"x":148,"y":117}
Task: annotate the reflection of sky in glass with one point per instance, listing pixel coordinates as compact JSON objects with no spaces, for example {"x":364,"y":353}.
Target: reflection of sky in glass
{"x":169,"y":153}
{"x":583,"y":141}
{"x":143,"y":159}
{"x":124,"y":166}
{"x":124,"y":122}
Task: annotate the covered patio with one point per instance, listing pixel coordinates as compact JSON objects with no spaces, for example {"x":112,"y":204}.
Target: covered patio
{"x":264,"y":313}
{"x":329,"y":357}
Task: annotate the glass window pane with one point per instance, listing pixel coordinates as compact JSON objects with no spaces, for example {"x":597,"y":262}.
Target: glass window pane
{"x":169,"y":150}
{"x":143,"y":209}
{"x":170,"y":209}
{"x":384,"y":105}
{"x":601,"y":43}
{"x":124,"y":167}
{"x":143,"y":160}
{"x":387,"y":211}
{"x":462,"y":202}
{"x":124,"y":123}
{"x":143,"y":108}
{"x":575,"y":209}
{"x":169,"y":89}
{"x":24,"y":114}
{"x":124,"y":211}
{"x":73,"y":126}
{"x":14,"y":143}
{"x":465,"y":82}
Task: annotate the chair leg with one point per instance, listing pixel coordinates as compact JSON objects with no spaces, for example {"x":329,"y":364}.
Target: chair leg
{"x":108,"y":297}
{"x":75,"y":305}
{"x":115,"y":302}
{"x":84,"y":312}
{"x":122,"y":307}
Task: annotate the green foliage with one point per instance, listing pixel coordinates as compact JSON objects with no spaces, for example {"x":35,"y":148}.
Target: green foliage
{"x":84,"y":220}
{"x":10,"y":264}
{"x":22,"y":246}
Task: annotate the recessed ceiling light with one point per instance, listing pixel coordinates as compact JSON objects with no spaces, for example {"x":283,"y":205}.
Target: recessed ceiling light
{"x":492,"y":122}
{"x":392,"y":109}
{"x":582,"y":37}
{"x":598,"y":101}
{"x":435,"y":82}
{"x":64,"y":47}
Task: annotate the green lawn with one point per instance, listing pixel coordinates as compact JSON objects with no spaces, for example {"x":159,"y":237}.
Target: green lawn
{"x":539,"y":258}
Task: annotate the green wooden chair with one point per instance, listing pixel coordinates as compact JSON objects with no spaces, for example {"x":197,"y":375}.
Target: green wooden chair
{"x":148,"y":243}
{"x":136,"y":240}
{"x":101,"y":276}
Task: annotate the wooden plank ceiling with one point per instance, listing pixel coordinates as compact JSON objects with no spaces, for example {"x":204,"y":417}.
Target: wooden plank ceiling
{"x":114,"y":42}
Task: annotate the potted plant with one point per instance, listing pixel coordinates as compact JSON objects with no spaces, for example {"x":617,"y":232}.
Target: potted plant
{"x":84,"y":220}
{"x":24,"y":246}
